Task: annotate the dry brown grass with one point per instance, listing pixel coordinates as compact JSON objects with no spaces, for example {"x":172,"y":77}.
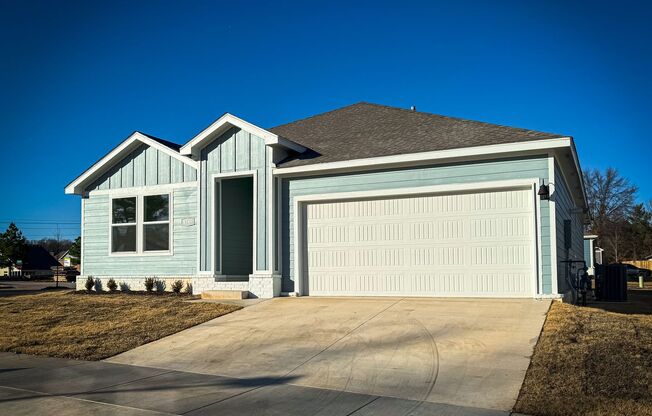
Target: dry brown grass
{"x":594,"y":360}
{"x":93,"y":327}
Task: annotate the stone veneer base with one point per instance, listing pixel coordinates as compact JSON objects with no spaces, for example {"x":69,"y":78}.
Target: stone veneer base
{"x":258,"y":286}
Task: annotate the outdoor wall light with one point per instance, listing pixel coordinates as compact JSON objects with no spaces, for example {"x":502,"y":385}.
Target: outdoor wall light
{"x":544,"y":192}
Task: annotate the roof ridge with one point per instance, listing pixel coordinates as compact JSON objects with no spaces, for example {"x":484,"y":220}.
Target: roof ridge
{"x":466,"y":120}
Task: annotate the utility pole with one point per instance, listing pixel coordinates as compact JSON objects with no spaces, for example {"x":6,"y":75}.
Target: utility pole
{"x":56,"y":276}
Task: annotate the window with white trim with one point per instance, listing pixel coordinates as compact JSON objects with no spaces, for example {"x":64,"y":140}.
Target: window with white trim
{"x":156,"y":222}
{"x":124,"y":225}
{"x":140,"y":224}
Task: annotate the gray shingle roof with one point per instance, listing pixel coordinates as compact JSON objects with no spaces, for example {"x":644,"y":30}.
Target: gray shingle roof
{"x":171,"y":145}
{"x":370,"y":130}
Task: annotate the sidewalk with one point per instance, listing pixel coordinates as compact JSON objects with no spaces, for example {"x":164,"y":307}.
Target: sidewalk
{"x":44,"y":386}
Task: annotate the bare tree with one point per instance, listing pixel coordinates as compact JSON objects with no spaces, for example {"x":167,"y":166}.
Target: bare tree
{"x":611,"y":200}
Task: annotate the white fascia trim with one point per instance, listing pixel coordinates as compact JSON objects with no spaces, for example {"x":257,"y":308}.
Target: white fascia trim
{"x":81,"y":248}
{"x":439,"y":155}
{"x":300,"y":201}
{"x":76,"y":186}
{"x":590,"y":236}
{"x":580,"y":177}
{"x":143,"y":189}
{"x":552,"y":212}
{"x":277,"y":141}
{"x":576,"y":160}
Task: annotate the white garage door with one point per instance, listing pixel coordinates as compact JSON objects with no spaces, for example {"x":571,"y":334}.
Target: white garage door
{"x":473,"y":244}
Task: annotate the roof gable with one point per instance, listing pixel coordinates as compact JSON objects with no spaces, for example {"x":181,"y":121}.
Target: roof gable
{"x":123,"y":150}
{"x":228,"y":121}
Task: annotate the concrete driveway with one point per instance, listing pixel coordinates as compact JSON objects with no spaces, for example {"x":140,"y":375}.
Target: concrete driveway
{"x":463,"y":352}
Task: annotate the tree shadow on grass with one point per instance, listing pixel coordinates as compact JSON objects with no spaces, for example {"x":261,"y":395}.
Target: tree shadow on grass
{"x":639,"y":302}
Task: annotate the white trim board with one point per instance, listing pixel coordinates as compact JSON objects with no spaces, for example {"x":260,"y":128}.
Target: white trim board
{"x":218,"y":177}
{"x":140,"y":225}
{"x":417,"y":158}
{"x":300,"y":202}
{"x":144,"y":189}
{"x":81,"y":248}
{"x":124,"y":148}
{"x":553,"y":225}
{"x":525,"y":148}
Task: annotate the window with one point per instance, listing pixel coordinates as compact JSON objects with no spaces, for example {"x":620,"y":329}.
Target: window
{"x":156,"y":223}
{"x":123,"y":225}
{"x":140,"y":224}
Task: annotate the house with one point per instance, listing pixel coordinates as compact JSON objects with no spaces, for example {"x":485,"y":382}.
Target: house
{"x":362,"y":200}
{"x":592,"y":253}
{"x":38,"y":263}
{"x":66,"y":259}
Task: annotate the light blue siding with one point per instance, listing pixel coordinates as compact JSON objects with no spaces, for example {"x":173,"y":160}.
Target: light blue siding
{"x":183,"y":261}
{"x":546,"y":245}
{"x":234,"y":151}
{"x":145,"y":166}
{"x":564,"y":207}
{"x":525,"y":168}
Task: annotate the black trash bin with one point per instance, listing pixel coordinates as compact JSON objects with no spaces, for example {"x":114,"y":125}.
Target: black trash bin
{"x":615,"y":283}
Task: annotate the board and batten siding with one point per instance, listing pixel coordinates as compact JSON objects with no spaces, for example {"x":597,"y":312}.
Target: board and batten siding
{"x":481,"y":171}
{"x":183,"y":260}
{"x":234,"y":151}
{"x":145,"y":166}
{"x":565,"y":210}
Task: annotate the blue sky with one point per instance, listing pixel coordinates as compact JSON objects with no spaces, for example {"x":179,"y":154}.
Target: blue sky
{"x":76,"y":78}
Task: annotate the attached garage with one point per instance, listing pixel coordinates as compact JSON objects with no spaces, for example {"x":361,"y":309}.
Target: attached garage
{"x":454,"y":244}
{"x":365,"y":200}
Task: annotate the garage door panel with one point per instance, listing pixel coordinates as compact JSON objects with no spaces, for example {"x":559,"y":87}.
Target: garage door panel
{"x":435,"y":245}
{"x":420,"y":284}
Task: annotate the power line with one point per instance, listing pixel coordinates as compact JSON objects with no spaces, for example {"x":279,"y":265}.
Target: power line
{"x":39,"y":222}
{"x":49,"y":228}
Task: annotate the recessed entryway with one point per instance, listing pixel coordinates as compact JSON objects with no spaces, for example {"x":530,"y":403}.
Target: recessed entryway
{"x":236,"y":223}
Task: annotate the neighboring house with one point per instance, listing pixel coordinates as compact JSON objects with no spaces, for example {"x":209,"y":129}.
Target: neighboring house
{"x":592,"y":253}
{"x":363,"y":200}
{"x":66,"y":259}
{"x":38,"y":263}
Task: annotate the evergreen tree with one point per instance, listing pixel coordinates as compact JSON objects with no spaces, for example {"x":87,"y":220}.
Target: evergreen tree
{"x":13,"y":246}
{"x":75,"y":250}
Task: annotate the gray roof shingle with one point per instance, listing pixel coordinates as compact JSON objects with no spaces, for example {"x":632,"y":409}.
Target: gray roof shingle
{"x":366,"y":130}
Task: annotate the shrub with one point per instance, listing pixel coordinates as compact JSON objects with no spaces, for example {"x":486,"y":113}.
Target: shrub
{"x":112,"y":285}
{"x":189,"y":288}
{"x":98,"y":285}
{"x":149,"y":284}
{"x":177,"y":286}
{"x":160,"y":285}
{"x":90,"y":282}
